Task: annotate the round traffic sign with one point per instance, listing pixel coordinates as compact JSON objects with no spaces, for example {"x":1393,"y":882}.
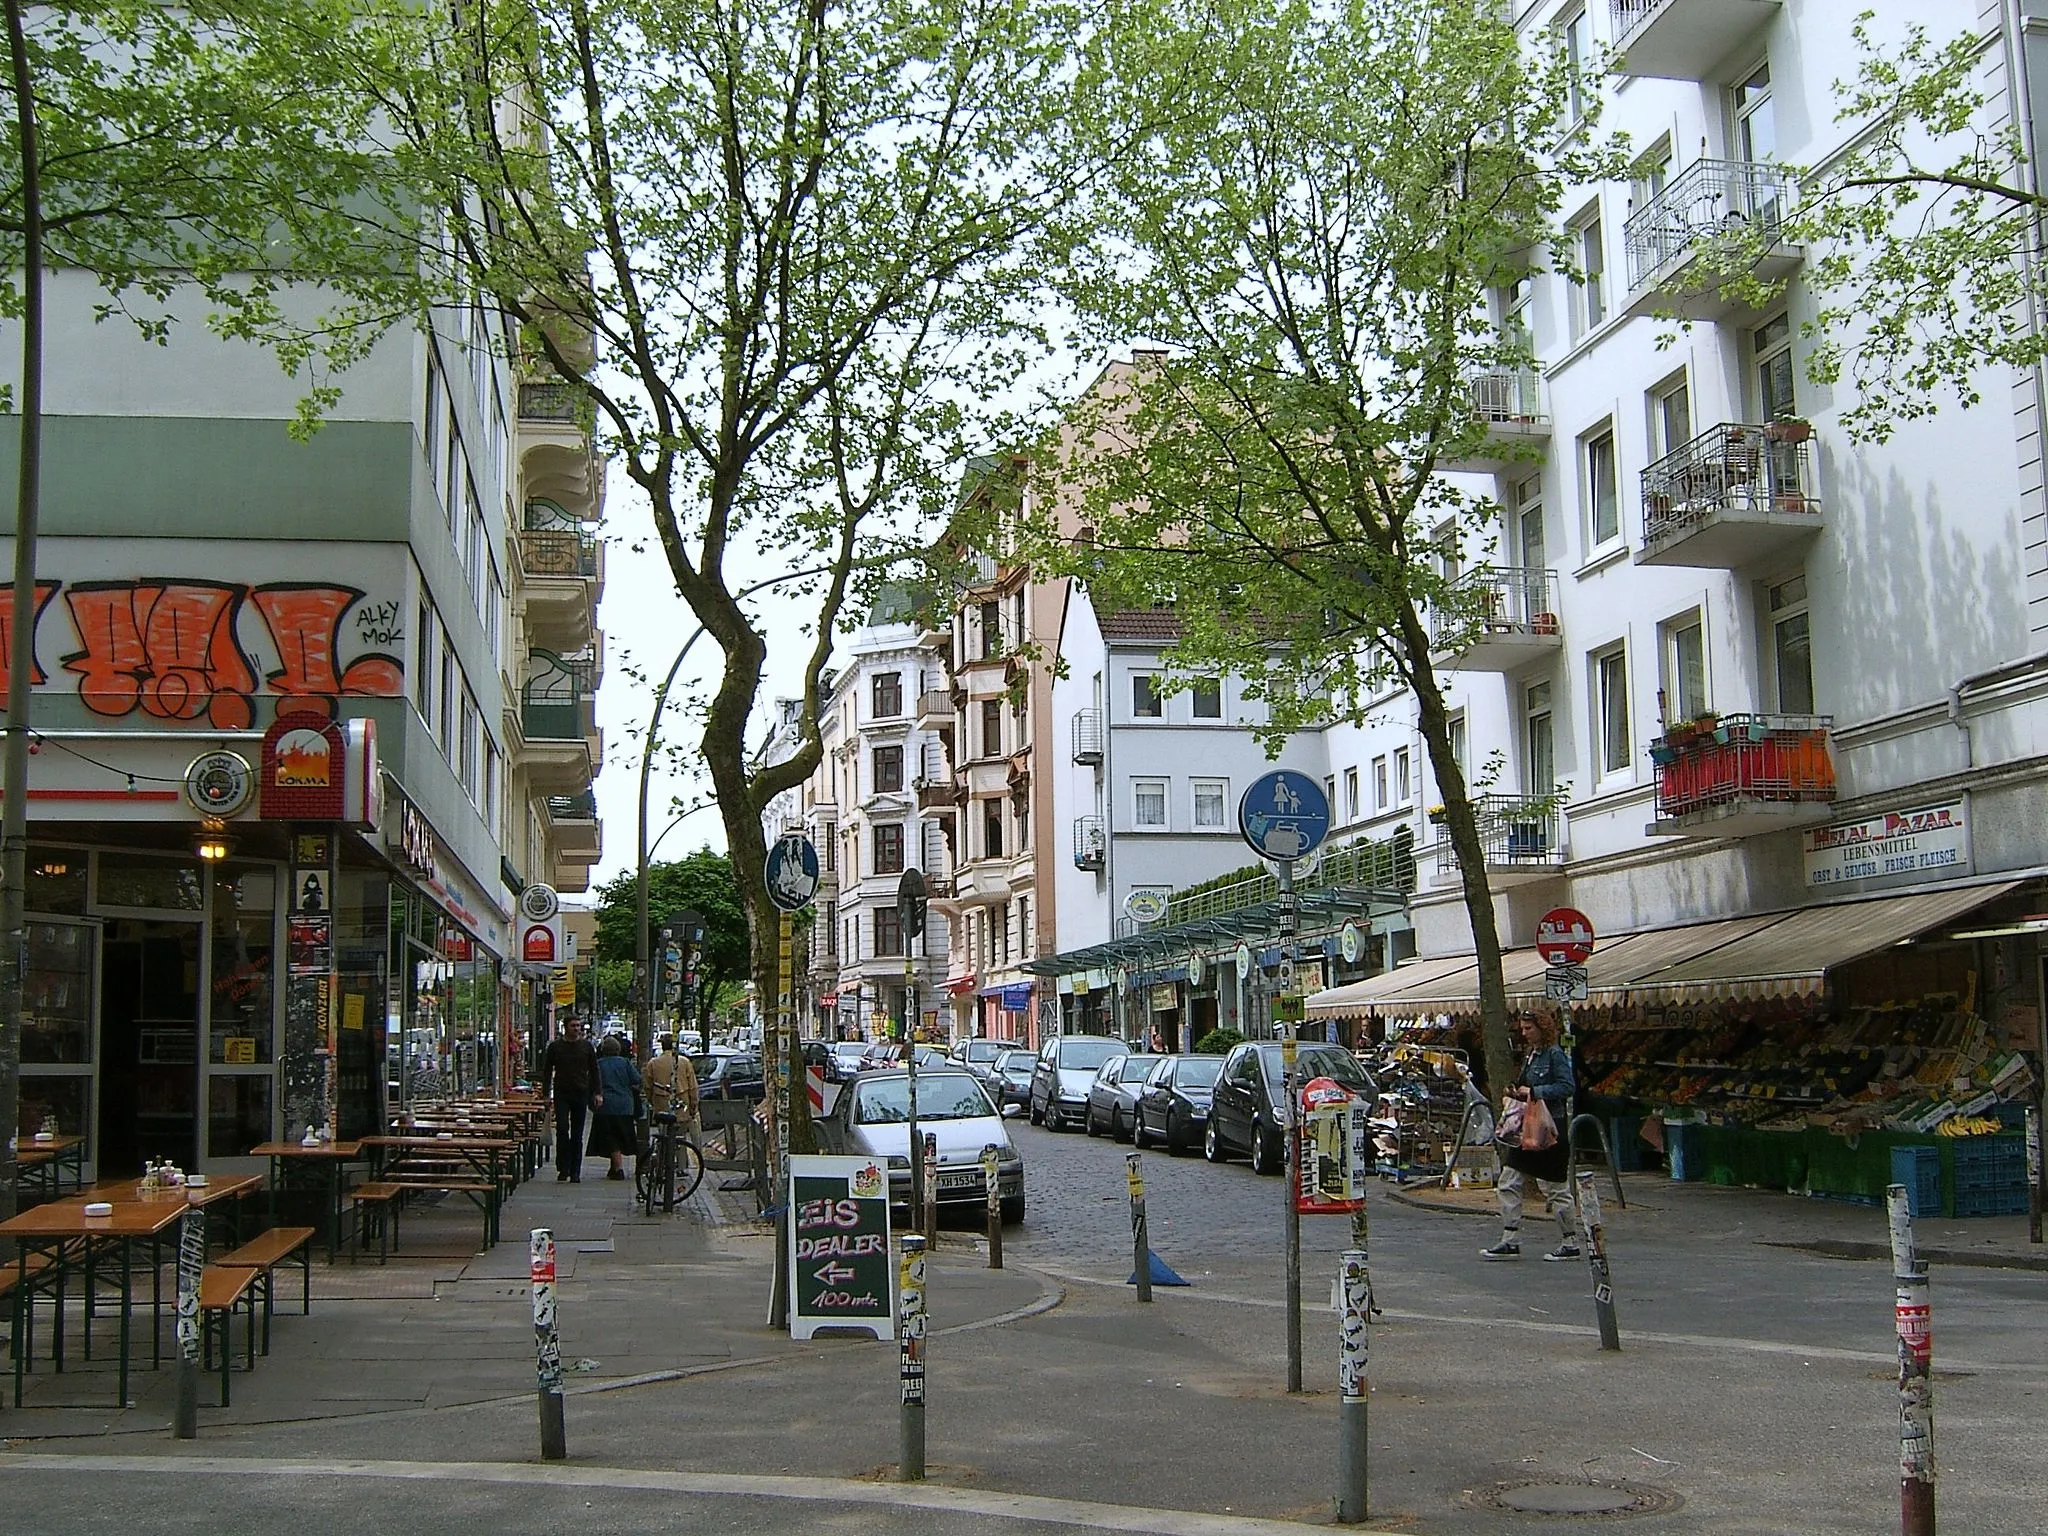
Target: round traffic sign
{"x":1564,"y":936}
{"x":792,"y":872}
{"x":1284,"y":815}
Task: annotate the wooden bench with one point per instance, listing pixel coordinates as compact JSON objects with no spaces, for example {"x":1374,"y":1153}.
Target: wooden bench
{"x":379,"y":1201}
{"x":21,"y":1324}
{"x":223,"y":1292}
{"x":482,"y":1193}
{"x":279,"y":1245}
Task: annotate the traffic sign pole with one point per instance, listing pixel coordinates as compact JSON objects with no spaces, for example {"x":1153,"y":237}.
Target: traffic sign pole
{"x":791,"y":872}
{"x":1290,"y":1165}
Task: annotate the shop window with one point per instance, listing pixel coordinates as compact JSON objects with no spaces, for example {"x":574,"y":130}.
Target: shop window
{"x":241,"y":1006}
{"x":146,"y":884}
{"x":1148,"y":803}
{"x":888,"y":764}
{"x":56,"y":881}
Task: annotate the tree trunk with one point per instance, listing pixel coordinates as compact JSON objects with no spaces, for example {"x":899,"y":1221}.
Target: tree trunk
{"x":1462,"y":824}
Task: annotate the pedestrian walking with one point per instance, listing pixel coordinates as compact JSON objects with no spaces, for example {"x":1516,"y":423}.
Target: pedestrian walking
{"x":671,"y":1084}
{"x":1546,"y":1079}
{"x":615,"y":1107}
{"x":568,"y":1077}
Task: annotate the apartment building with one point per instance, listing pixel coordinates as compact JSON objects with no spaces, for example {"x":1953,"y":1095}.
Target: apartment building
{"x":1765,"y":699}
{"x":310,"y":718}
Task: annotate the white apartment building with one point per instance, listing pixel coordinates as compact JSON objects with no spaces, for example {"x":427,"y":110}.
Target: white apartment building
{"x":1858,"y":630}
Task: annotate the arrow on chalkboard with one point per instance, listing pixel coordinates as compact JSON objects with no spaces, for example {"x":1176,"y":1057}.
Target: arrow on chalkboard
{"x":832,"y":1274}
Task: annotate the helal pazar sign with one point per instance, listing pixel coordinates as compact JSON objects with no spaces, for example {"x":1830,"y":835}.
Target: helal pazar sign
{"x":1926,"y":842}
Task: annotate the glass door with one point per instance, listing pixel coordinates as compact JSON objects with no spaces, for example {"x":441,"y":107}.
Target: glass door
{"x":242,"y":1025}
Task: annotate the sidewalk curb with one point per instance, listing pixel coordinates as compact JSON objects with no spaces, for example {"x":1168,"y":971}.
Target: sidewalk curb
{"x":1442,"y":1207}
{"x":1962,"y":1258}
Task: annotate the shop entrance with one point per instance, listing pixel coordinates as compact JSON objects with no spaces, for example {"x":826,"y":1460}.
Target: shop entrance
{"x":149,"y":1044}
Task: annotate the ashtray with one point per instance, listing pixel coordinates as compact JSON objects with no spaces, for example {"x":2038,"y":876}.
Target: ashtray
{"x":444,"y":1135}
{"x":45,"y":1136}
{"x":99,"y":1208}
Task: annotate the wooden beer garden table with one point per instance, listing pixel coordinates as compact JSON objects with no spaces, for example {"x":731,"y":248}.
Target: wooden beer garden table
{"x":327,"y":1164}
{"x":409,"y":1160}
{"x":45,"y":1163}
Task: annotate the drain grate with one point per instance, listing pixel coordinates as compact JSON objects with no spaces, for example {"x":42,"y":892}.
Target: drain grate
{"x":1572,"y":1498}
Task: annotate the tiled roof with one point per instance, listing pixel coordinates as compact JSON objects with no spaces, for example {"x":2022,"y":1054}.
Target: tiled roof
{"x":1141,"y":624}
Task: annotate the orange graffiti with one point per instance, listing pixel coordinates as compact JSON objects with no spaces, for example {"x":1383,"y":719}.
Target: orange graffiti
{"x":171,"y":647}
{"x":45,"y":590}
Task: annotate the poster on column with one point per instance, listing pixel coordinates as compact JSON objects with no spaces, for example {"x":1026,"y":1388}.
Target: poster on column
{"x":840,"y":1270}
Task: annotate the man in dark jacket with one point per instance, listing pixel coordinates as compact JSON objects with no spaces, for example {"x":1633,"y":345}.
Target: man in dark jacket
{"x":568,"y":1077}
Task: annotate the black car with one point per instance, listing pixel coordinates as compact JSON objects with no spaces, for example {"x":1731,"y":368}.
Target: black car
{"x":1173,"y":1102}
{"x":1246,"y":1111}
{"x":1010,"y":1079}
{"x":1113,"y":1097}
{"x":729,"y":1077}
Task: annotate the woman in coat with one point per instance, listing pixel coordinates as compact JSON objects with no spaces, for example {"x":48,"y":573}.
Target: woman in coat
{"x":1546,"y":1079}
{"x":613,"y":1128}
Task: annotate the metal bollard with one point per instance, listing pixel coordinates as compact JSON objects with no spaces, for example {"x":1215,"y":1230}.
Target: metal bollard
{"x":554,"y":1445}
{"x":991,"y":1168}
{"x":1353,"y":1384}
{"x":1914,"y":1319}
{"x":1141,"y":1240}
{"x":191,"y":1265}
{"x":2033,"y":1173}
{"x":931,"y":1188}
{"x":910,"y":1358}
{"x":1593,"y":1239}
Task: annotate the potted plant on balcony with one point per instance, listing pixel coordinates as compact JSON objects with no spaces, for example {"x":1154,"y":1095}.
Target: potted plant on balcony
{"x":1437,"y":815}
{"x":1789,"y":429}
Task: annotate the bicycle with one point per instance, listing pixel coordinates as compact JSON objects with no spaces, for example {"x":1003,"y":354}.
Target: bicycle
{"x":672,"y":1168}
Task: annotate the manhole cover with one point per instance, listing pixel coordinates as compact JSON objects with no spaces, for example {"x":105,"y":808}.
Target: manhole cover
{"x":1584,"y":1499}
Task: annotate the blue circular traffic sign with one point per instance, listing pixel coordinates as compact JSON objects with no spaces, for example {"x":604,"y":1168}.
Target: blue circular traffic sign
{"x":792,"y":872}
{"x":1284,"y":815}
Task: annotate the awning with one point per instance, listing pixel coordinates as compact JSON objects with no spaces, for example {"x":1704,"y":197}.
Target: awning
{"x":1767,"y":954}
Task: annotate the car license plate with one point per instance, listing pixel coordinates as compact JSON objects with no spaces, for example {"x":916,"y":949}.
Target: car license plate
{"x":965,"y":1180}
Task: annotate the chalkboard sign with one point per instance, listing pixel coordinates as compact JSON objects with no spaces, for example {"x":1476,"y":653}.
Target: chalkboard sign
{"x":841,"y":1274}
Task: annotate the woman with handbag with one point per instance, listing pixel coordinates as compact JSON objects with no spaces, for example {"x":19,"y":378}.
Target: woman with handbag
{"x":615,"y":1107}
{"x":1533,"y":1139}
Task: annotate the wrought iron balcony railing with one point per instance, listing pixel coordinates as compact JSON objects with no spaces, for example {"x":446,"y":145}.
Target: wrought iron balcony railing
{"x":1514,"y":830}
{"x":1088,"y":736}
{"x":1734,"y":467}
{"x":1717,"y":760}
{"x":1091,"y":845}
{"x":1707,"y":202}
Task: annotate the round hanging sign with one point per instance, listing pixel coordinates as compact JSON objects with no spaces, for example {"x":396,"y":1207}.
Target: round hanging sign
{"x":219,"y":783}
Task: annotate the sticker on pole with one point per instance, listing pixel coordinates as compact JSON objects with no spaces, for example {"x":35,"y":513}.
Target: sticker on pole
{"x":1284,"y":815}
{"x":1564,"y":936}
{"x":1916,"y":1332}
{"x":792,"y":872}
{"x":1335,"y":1150}
{"x":840,"y":1273}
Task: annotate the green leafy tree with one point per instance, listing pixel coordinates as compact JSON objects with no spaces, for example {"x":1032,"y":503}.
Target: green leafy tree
{"x":702,"y":883}
{"x":1311,"y":241}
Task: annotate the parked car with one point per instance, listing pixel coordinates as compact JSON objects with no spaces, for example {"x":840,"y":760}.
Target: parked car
{"x":978,"y":1055}
{"x":881,"y":1054}
{"x":848,"y":1054}
{"x":1245,"y":1110}
{"x":872,"y":1119}
{"x":1173,"y":1102}
{"x":1009,"y":1081}
{"x":728,"y":1075}
{"x":1066,"y":1070}
{"x":1113,"y":1096}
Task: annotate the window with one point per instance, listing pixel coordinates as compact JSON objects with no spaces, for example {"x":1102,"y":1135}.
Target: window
{"x":1351,"y":794}
{"x":1756,"y":123}
{"x":1020,"y":812}
{"x":1648,"y":175}
{"x":1456,"y":730}
{"x":1513,"y":303}
{"x":1589,"y":287}
{"x":1770,"y":346}
{"x":1610,"y":681}
{"x":1026,"y":940}
{"x":466,"y":761}
{"x":888,"y":769}
{"x":1603,"y":495}
{"x":1148,"y":803}
{"x":1404,"y":777}
{"x":888,"y":695}
{"x":1330,"y":789}
{"x":991,"y":630}
{"x":423,"y":666}
{"x":1533,"y":548}
{"x":1145,"y":703}
{"x":1685,"y":668}
{"x":888,"y":849}
{"x":991,"y":727}
{"x":489,"y":802}
{"x":1212,"y":804}
{"x":1208,"y":698}
{"x":1539,"y":742}
{"x":1670,"y":417}
{"x":992,"y":828}
{"x":1379,"y":784}
{"x":448,"y":698}
{"x":1791,"y":647}
{"x":1575,"y":37}
{"x":888,"y":931}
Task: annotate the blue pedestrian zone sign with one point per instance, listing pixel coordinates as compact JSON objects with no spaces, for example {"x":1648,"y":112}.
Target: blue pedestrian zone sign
{"x":1284,"y":815}
{"x":792,"y":872}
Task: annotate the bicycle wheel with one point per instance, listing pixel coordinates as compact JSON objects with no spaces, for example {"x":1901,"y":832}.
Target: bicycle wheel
{"x":647,"y":1174}
{"x":689,"y":1169}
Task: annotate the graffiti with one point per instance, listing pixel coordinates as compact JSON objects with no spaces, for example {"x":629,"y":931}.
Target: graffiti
{"x":377,"y":624}
{"x":176,"y":650}
{"x":45,"y":590}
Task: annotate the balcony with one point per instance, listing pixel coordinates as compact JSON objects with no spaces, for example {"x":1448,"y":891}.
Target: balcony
{"x":1715,"y":221}
{"x":982,"y":882}
{"x":577,"y":836}
{"x":1519,"y":836}
{"x":939,"y":794}
{"x":1741,"y":775}
{"x":547,"y":402}
{"x":1507,"y":403}
{"x":935,"y":707}
{"x":1088,"y":737}
{"x":557,"y":720}
{"x":1735,"y":496}
{"x":1091,"y":844}
{"x":1684,"y":39}
{"x":1503,"y":618}
{"x":988,"y":776}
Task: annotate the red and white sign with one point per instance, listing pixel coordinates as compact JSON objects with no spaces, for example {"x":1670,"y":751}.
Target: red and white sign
{"x":1916,"y":1331}
{"x":541,"y":943}
{"x":1564,"y":936}
{"x":814,"y":1088}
